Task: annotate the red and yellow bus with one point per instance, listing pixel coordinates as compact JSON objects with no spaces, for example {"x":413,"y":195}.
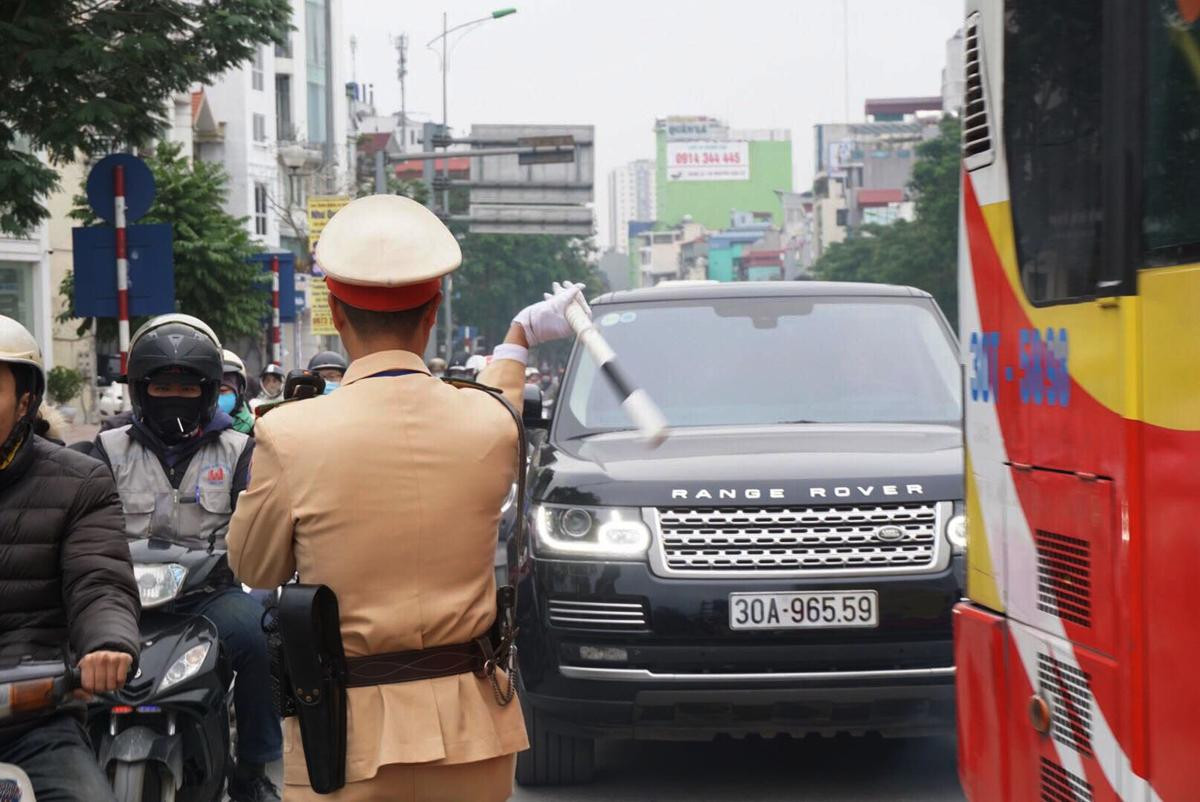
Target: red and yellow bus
{"x":1078,"y":649}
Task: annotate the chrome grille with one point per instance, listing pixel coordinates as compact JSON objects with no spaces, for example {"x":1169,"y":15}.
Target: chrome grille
{"x":602,"y":615}
{"x":800,"y":540}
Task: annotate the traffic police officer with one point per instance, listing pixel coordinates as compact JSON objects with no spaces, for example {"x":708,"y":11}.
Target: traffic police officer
{"x":389,"y":493}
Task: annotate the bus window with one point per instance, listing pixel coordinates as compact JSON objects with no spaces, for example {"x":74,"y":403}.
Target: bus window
{"x":1052,"y":135}
{"x":1171,"y":160}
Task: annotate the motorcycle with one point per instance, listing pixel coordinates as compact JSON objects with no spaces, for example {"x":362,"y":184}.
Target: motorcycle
{"x":166,"y":735}
{"x":30,"y":688}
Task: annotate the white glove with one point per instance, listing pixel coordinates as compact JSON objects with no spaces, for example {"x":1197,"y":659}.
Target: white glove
{"x":547,"y":320}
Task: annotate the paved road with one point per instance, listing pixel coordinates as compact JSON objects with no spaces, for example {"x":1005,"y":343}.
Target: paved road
{"x":832,"y":770}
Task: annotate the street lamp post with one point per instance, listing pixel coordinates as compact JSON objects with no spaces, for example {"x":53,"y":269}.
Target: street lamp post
{"x":447,"y":286}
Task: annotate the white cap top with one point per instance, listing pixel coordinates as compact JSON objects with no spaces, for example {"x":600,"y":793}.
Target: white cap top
{"x":386,"y":241}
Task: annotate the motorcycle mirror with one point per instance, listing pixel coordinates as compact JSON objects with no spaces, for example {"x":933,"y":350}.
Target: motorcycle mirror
{"x":301,"y":383}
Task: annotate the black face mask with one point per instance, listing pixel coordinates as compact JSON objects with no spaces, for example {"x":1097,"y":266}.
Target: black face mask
{"x":172,"y":418}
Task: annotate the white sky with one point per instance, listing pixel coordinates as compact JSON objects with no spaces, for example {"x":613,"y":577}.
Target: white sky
{"x":619,"y":64}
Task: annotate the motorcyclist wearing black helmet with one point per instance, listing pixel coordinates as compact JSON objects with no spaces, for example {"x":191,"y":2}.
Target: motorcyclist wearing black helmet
{"x":330,"y":366}
{"x":179,"y":467}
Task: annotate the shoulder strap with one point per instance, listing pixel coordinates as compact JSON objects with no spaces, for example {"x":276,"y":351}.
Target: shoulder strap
{"x":510,"y":590}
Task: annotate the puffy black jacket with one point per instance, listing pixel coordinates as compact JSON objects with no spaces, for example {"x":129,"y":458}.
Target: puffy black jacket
{"x":66,"y":580}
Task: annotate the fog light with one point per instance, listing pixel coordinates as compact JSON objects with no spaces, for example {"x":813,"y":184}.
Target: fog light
{"x":956,"y":533}
{"x":604,"y":654}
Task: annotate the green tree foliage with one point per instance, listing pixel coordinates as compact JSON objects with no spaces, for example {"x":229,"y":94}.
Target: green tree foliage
{"x":502,"y":273}
{"x":213,"y":280}
{"x":923,"y":253}
{"x":91,"y":75}
{"x":63,"y":384}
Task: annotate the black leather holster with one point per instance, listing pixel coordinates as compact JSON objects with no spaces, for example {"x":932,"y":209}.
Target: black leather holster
{"x":316,"y":673}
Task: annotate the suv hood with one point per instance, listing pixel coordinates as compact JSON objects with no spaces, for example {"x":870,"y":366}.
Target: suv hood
{"x":770,"y":465}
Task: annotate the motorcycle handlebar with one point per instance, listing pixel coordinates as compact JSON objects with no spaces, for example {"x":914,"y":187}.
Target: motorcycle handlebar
{"x":31,"y":688}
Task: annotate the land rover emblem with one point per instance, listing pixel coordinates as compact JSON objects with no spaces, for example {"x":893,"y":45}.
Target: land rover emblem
{"x":889,"y":533}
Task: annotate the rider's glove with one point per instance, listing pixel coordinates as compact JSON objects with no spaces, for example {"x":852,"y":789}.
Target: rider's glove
{"x":546,"y":320}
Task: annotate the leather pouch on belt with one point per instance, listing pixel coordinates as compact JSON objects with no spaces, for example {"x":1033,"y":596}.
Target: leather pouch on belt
{"x":316,"y":668}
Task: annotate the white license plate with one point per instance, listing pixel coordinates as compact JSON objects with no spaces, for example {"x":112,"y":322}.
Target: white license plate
{"x":815,"y":610}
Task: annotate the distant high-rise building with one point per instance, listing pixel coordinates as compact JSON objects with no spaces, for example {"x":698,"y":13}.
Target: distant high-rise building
{"x":631,"y":196}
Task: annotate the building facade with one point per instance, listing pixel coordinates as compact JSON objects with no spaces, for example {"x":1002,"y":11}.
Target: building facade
{"x":282,"y":127}
{"x":631,"y":197}
{"x":704,"y":169}
{"x":863,"y":169}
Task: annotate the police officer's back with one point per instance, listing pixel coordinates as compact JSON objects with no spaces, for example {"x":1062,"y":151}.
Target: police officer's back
{"x":389,"y":493}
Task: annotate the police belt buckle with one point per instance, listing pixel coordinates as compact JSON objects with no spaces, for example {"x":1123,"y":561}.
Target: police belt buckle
{"x":316,"y":670}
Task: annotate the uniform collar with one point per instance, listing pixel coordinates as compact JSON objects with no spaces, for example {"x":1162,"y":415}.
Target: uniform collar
{"x":379,"y":361}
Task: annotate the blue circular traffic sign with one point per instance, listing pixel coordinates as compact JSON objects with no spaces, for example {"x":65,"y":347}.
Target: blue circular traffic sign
{"x":139,"y":187}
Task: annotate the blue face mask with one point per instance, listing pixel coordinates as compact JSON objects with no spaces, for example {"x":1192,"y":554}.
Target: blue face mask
{"x":226,"y":402}
{"x":331,"y":386}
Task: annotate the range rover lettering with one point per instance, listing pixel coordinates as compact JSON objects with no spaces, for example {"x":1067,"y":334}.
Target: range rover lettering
{"x":785,"y":563}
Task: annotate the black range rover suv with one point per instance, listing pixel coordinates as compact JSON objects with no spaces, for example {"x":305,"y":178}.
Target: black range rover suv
{"x":786,"y":563}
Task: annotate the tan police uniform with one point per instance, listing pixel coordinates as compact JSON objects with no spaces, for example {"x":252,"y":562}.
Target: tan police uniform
{"x":389,"y":491}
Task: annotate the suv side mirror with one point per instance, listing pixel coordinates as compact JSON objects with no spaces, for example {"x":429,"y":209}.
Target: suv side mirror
{"x":531,"y":412}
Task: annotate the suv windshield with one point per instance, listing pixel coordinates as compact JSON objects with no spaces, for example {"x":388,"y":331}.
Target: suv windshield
{"x":741,"y":361}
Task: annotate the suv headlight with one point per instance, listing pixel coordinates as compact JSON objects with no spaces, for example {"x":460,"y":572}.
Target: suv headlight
{"x":158,"y":583}
{"x":591,"y":531}
{"x":956,"y":529}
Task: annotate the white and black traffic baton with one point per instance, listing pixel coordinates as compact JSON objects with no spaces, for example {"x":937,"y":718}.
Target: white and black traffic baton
{"x":637,"y":402}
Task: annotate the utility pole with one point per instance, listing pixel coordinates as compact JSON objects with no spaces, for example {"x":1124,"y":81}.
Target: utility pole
{"x":402,"y":73}
{"x":329,"y":152}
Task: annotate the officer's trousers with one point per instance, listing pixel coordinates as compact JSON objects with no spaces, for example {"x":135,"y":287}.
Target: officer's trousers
{"x":482,"y":781}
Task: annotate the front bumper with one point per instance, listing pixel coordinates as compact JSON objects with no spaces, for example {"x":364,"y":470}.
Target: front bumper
{"x":685,"y":675}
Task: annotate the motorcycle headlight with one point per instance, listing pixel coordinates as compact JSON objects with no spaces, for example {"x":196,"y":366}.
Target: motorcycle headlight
{"x":956,"y":530}
{"x":158,"y":583}
{"x":186,"y":666}
{"x":591,"y":531}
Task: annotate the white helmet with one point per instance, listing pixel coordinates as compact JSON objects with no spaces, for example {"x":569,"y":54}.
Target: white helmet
{"x":18,"y":347}
{"x":233,"y":363}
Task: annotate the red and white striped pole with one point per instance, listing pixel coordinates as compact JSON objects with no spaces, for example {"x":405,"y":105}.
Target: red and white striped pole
{"x":122,"y":271}
{"x":276,"y":342}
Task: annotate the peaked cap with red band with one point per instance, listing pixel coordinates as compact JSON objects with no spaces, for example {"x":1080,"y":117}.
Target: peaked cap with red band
{"x":386,"y":253}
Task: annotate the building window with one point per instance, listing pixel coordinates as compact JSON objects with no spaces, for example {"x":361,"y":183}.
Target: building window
{"x":1053,"y":135}
{"x":260,"y":127}
{"x":314,"y":26}
{"x":260,"y":209}
{"x":316,"y":112}
{"x":283,"y":107}
{"x":256,"y":70}
{"x":16,"y":292}
{"x":315,"y":56}
{"x":284,"y":50}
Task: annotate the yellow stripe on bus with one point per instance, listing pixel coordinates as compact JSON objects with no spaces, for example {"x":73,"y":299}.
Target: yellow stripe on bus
{"x":982,"y":585}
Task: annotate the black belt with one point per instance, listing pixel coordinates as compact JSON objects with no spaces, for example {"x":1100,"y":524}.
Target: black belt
{"x":415,"y":664}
